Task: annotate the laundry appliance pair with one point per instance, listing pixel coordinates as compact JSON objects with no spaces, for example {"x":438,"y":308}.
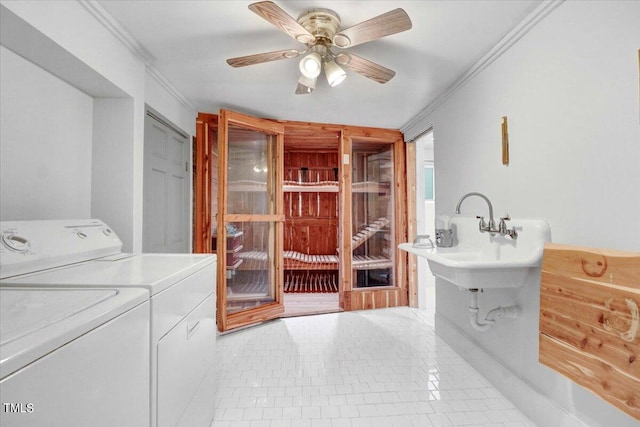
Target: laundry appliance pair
{"x":90,"y":335}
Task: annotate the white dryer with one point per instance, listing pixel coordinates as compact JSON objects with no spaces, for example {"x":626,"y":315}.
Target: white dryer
{"x":182,"y":302}
{"x":65,"y":354}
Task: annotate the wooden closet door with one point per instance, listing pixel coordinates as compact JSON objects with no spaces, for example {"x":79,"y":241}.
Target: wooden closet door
{"x":374,"y":273}
{"x":249,"y":232}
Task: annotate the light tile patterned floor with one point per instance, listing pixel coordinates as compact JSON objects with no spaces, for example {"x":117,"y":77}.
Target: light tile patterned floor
{"x":367,"y":368}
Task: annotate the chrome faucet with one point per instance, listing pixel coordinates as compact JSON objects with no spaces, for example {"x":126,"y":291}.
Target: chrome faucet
{"x":417,"y":242}
{"x":491,"y":227}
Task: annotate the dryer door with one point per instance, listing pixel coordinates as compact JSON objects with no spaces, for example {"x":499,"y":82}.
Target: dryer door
{"x":185,"y":355}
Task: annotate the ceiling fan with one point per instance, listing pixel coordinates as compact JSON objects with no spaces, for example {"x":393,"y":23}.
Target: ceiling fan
{"x":320,"y":30}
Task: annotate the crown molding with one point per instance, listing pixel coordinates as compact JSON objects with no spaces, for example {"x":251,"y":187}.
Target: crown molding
{"x":135,"y":47}
{"x":417,"y":126}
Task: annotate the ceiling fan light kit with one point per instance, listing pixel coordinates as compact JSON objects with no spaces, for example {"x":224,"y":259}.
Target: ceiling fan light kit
{"x":320,"y":29}
{"x":335,"y":74}
{"x":311,"y":65}
{"x":305,"y":85}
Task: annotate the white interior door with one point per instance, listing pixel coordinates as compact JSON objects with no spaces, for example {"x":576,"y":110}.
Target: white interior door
{"x":166,"y":188}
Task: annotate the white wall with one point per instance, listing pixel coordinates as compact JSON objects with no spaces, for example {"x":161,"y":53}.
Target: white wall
{"x":79,"y":43}
{"x":570,"y":90}
{"x":45,"y":144}
{"x":112,"y":166}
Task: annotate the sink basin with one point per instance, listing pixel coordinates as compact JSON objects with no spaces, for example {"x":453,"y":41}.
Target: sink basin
{"x":481,"y":261}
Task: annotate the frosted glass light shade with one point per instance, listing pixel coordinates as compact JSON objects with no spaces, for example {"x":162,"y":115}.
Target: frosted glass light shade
{"x":305,"y":85}
{"x":335,"y":74}
{"x":311,"y":65}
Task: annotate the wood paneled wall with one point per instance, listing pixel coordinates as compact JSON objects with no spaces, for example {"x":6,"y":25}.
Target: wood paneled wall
{"x":367,"y":299}
{"x":590,"y":321}
{"x":311,"y":225}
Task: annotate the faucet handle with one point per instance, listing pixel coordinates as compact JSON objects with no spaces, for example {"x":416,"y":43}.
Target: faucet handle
{"x":503,"y":230}
{"x":482,"y":226}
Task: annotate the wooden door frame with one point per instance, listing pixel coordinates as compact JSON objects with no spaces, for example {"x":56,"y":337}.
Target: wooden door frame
{"x":412,"y":226}
{"x":202,"y":162}
{"x":345,"y":232}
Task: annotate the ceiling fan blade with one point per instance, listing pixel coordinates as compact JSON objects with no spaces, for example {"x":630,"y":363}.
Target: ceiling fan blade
{"x":281,"y":19}
{"x":259,"y":58}
{"x":365,"y":67}
{"x":392,"y":22}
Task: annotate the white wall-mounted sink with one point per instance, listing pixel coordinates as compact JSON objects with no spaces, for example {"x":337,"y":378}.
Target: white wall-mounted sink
{"x":481,"y":261}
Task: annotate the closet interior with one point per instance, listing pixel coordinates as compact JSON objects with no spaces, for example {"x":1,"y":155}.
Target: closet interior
{"x":312,"y":213}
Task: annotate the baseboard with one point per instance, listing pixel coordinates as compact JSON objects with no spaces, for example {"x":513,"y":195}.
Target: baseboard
{"x":536,"y":406}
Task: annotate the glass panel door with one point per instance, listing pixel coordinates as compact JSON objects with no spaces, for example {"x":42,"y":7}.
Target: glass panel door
{"x":248,"y":236}
{"x":373,"y":219}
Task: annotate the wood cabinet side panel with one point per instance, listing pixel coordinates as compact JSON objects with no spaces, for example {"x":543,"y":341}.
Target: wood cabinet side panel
{"x":599,"y":323}
{"x":619,"y":390}
{"x":600,"y":265}
{"x":590,"y":321}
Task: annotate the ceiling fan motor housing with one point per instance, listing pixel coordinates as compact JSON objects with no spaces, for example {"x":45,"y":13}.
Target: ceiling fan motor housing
{"x":322,"y":23}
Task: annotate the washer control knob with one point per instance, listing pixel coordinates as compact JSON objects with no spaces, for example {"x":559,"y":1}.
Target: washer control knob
{"x":107,"y":232}
{"x":16,"y":242}
{"x":81,"y":235}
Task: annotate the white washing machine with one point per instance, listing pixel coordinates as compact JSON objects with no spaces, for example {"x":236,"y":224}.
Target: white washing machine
{"x":182,"y":302}
{"x":65,"y":353}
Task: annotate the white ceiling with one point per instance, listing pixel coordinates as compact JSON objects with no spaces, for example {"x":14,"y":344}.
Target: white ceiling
{"x":189,"y":42}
